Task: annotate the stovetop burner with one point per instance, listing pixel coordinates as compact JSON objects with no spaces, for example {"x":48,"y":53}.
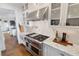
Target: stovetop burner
{"x":40,"y":37}
{"x":30,"y":34}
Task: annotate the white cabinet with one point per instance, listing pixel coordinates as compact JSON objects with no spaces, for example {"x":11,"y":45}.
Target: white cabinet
{"x":58,"y":14}
{"x":72,"y":15}
{"x":65,"y":14}
{"x":51,"y":51}
{"x":55,"y":13}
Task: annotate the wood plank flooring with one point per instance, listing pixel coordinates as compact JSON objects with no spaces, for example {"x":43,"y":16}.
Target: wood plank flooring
{"x":13,"y":48}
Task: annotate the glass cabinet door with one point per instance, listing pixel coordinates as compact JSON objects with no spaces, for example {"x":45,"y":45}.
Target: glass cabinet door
{"x":55,"y":13}
{"x":73,"y":15}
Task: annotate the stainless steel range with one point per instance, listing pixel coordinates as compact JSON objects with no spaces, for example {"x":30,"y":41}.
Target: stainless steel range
{"x":34,"y":43}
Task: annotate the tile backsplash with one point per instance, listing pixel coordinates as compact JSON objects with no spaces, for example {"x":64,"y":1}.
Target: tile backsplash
{"x":44,"y":28}
{"x":72,"y":34}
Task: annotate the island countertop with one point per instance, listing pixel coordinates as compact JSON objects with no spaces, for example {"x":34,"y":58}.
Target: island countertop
{"x":71,"y":50}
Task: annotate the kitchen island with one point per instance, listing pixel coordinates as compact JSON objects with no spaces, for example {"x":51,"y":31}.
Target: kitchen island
{"x":51,"y":48}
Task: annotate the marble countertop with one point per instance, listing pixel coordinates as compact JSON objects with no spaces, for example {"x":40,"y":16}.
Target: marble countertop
{"x":71,"y":50}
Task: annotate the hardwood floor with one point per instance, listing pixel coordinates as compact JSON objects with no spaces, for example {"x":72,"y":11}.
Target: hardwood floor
{"x":13,"y":48}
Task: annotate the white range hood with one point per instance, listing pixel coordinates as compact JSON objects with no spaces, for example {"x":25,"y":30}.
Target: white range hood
{"x":37,"y":15}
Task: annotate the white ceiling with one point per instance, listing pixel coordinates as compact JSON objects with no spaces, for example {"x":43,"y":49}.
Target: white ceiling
{"x":19,"y":5}
{"x":6,"y":11}
{"x":10,"y":13}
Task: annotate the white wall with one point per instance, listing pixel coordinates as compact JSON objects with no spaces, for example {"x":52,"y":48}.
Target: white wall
{"x":9,"y":6}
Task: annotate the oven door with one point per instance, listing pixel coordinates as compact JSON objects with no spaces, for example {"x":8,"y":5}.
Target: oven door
{"x":36,"y":51}
{"x":28,"y":43}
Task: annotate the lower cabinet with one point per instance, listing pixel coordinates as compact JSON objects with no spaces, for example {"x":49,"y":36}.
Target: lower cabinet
{"x":51,"y":51}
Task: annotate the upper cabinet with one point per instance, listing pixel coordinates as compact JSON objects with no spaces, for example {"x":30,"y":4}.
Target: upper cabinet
{"x":65,"y":14}
{"x":72,"y":15}
{"x":58,"y":14}
{"x":55,"y":13}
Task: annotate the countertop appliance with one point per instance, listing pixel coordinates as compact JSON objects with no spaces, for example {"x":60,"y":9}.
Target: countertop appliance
{"x":34,"y":43}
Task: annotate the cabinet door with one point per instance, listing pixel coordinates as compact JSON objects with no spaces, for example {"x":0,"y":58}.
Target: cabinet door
{"x":48,"y":51}
{"x":51,"y":51}
{"x":55,"y":13}
{"x":59,"y":13}
{"x":73,"y":15}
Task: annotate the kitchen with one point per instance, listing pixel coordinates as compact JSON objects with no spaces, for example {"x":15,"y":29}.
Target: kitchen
{"x":46,"y":29}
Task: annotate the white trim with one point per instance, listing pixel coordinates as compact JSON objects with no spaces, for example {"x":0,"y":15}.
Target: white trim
{"x":63,"y":13}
